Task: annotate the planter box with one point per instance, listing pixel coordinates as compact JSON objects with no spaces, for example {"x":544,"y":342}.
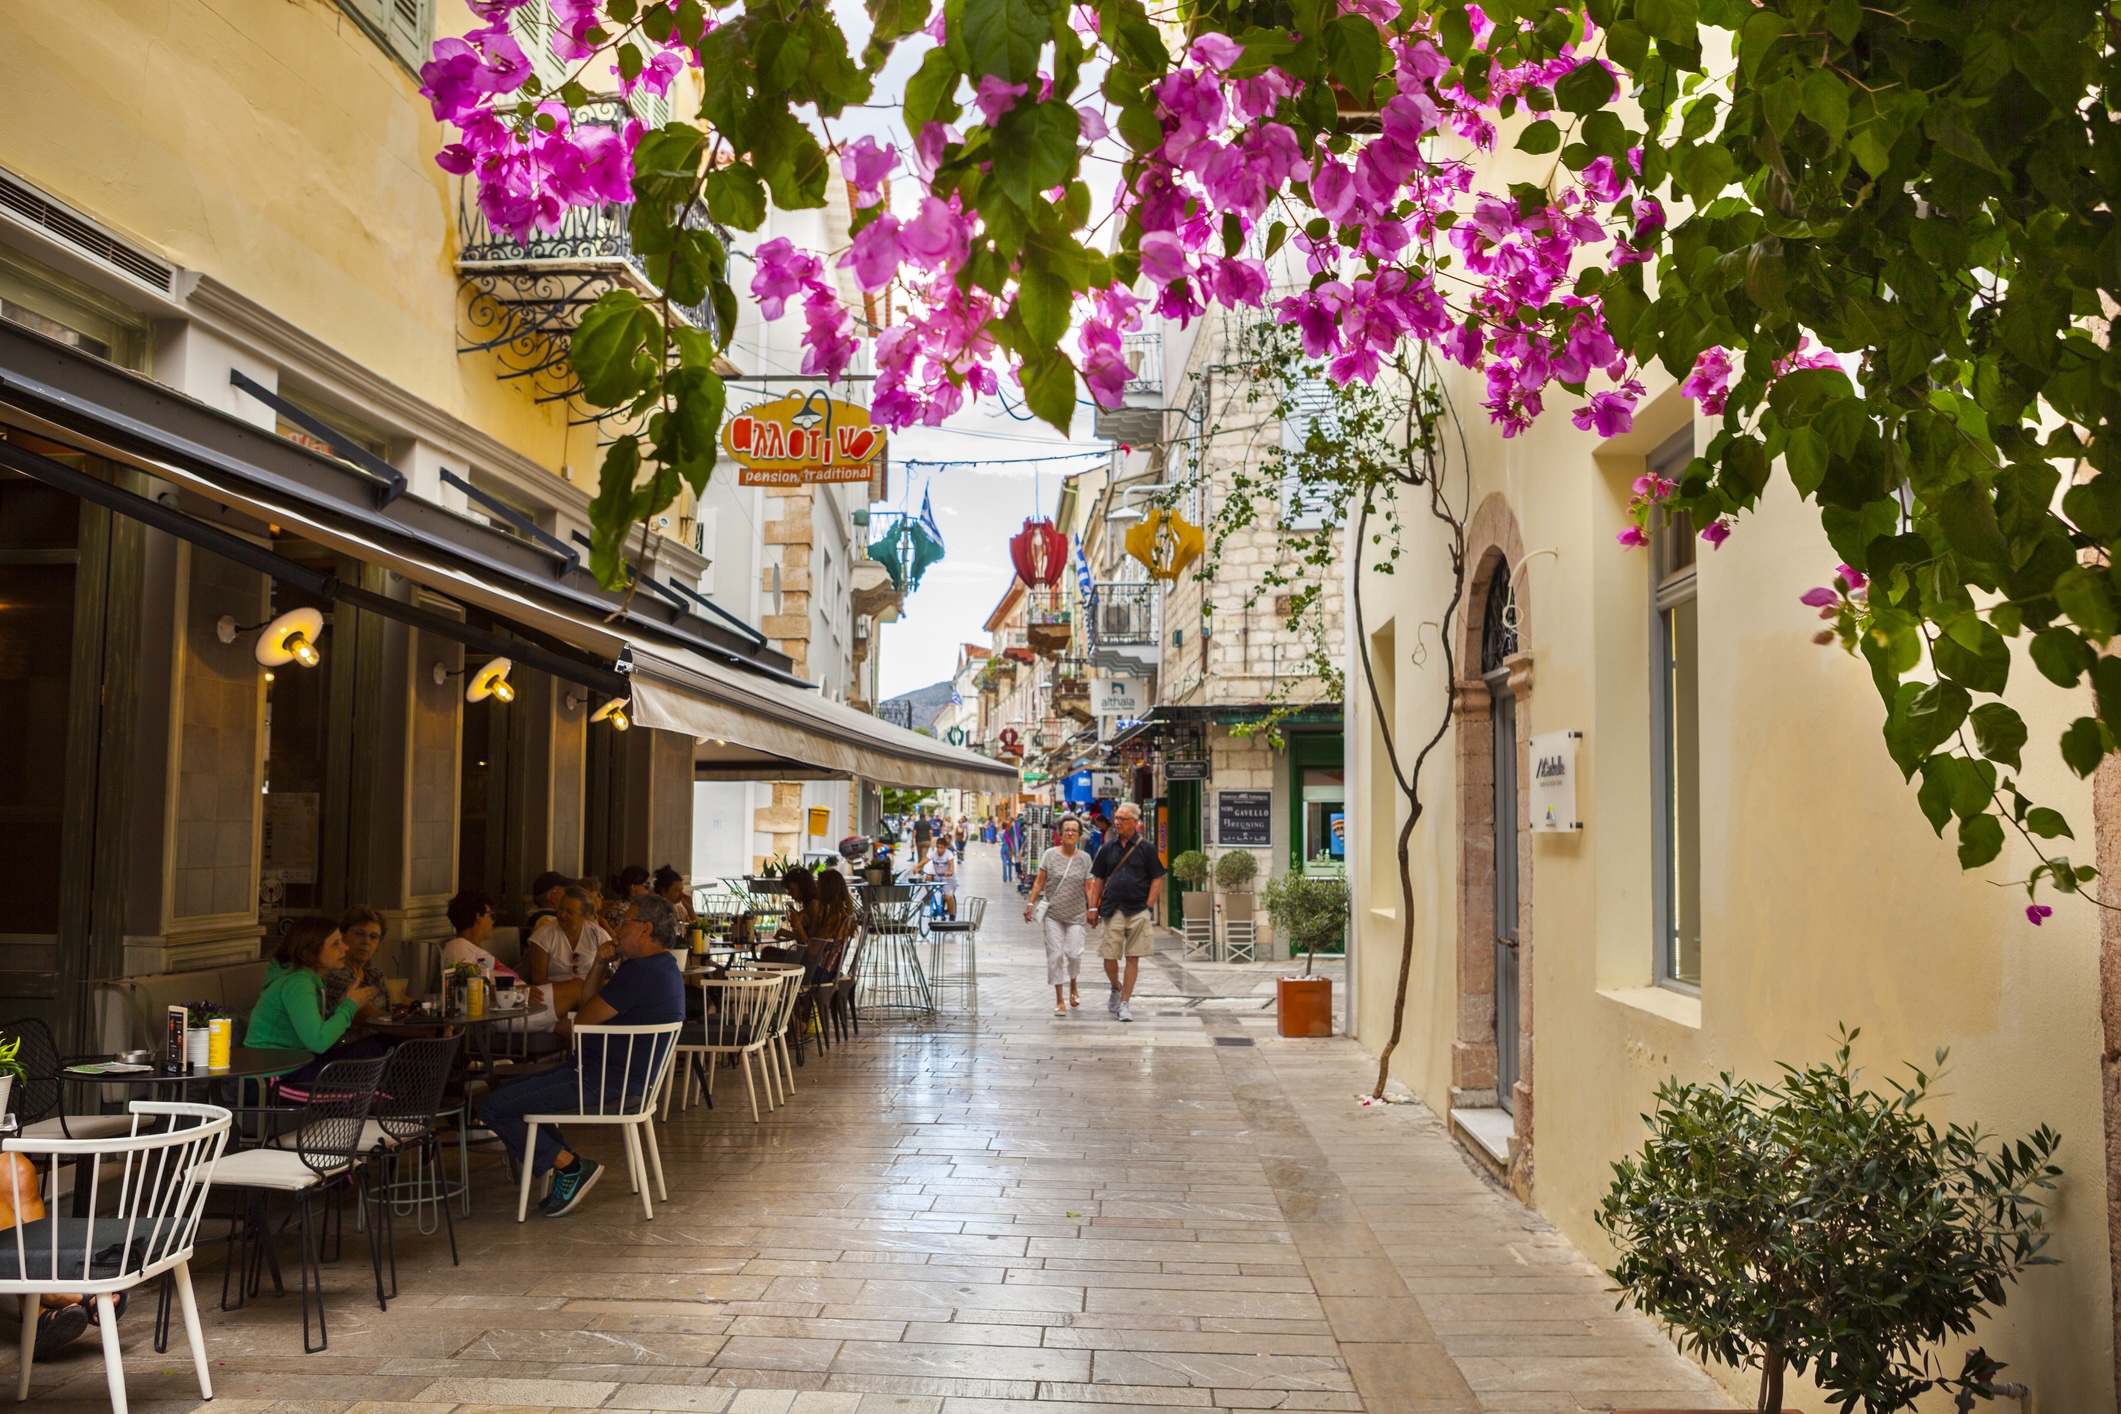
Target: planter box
{"x":1303,"y":1006}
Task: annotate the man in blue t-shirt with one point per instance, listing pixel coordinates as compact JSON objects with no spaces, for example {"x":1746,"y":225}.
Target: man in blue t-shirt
{"x":647,"y":990}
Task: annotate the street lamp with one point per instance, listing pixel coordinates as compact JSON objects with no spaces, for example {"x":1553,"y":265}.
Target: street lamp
{"x":490,"y":680}
{"x":290,"y":638}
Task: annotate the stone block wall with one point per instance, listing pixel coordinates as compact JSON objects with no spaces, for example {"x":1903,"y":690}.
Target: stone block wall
{"x":220,"y":753}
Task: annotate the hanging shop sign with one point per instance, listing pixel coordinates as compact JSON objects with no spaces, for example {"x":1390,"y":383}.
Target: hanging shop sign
{"x":1119,"y":697}
{"x":1039,"y":552}
{"x":1108,"y":785}
{"x":1185,"y":770}
{"x":801,"y":440}
{"x":1554,"y":782}
{"x":1166,"y":542}
{"x":1244,"y":817}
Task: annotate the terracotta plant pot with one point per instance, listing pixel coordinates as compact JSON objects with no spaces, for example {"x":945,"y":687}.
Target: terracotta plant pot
{"x":1303,"y":1006}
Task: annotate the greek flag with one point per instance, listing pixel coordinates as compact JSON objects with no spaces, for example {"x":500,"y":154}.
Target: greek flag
{"x":1082,"y":569}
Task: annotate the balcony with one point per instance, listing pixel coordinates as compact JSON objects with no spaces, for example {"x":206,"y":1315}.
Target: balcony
{"x":528,"y":296}
{"x":1071,"y":688}
{"x":1123,"y":615}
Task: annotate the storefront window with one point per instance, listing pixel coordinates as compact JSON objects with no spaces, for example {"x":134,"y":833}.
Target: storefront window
{"x":1325,"y":795}
{"x":38,"y":529}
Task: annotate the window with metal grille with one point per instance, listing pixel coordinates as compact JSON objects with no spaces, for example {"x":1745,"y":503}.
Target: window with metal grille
{"x":1311,"y":400}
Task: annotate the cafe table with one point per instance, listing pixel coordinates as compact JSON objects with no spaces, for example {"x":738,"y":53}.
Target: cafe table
{"x":478,"y":1029}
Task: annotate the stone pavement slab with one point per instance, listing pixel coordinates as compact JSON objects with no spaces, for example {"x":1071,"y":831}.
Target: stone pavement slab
{"x":995,"y":1211}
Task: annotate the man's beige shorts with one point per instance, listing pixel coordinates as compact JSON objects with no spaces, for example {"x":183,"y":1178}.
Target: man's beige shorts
{"x":1126,"y":935}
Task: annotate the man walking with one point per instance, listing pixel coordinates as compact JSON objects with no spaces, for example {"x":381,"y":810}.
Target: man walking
{"x":1126,"y":882}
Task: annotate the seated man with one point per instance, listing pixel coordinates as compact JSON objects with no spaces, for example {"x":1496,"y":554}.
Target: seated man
{"x":645,"y":987}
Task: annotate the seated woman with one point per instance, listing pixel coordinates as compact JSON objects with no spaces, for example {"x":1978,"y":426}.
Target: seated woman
{"x":564,"y":947}
{"x":827,"y":919}
{"x":670,"y":887}
{"x":362,"y":928}
{"x":290,"y":1014}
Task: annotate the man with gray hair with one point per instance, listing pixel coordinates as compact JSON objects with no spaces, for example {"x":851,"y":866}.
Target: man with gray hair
{"x":1126,"y":880}
{"x":635,"y":981}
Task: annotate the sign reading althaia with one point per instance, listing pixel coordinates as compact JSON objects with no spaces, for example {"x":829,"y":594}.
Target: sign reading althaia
{"x":802,"y":439}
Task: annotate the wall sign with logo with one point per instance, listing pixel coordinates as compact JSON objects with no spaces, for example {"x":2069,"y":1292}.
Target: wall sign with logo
{"x":1185,"y":770}
{"x":801,"y":440}
{"x":1244,"y":817}
{"x":1108,"y":785}
{"x":1118,"y":697}
{"x":1554,"y":782}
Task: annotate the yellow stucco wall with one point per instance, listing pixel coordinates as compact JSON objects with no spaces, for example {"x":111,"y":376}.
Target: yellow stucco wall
{"x":1826,"y":897}
{"x":273,"y":145}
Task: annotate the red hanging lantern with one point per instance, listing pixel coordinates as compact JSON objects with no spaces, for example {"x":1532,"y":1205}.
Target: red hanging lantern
{"x":1040,"y":553}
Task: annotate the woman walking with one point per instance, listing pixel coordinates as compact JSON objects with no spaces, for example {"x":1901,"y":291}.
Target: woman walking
{"x":1063,"y":873}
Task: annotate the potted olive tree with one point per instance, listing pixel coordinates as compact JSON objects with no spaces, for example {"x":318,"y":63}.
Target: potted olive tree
{"x":1311,"y":911}
{"x":1190,"y":869}
{"x":1813,"y":1226}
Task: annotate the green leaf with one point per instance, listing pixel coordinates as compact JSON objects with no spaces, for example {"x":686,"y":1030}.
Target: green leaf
{"x":1968,"y":518}
{"x":1540,"y":136}
{"x":2083,"y":746}
{"x":1044,"y":301}
{"x":895,"y":19}
{"x":1049,"y":388}
{"x":1672,"y":20}
{"x":1825,"y":101}
{"x":2000,"y":733}
{"x":2047,"y":824}
{"x":1355,"y":51}
{"x":1980,"y":840}
{"x":1034,"y":148}
{"x":1804,"y":453}
{"x":1703,"y":170}
{"x":611,"y":350}
{"x":1984,"y":667}
{"x":1000,"y":37}
{"x":735,"y":198}
{"x":2062,"y":656}
{"x":1935,"y":794}
{"x":931,"y":92}
{"x":1586,"y":88}
{"x":1871,"y":150}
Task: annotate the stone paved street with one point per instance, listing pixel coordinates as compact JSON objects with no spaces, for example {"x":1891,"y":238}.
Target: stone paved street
{"x":998,"y":1213}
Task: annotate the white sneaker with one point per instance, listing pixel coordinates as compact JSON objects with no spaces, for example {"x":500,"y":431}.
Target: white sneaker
{"x":1123,"y":1012}
{"x":1113,"y":1003}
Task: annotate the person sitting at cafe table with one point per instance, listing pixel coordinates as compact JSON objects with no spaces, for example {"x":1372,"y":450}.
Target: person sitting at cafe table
{"x":545,"y":891}
{"x":669,"y":886}
{"x":634,"y":881}
{"x":290,"y":1014}
{"x":563,"y":947}
{"x":827,"y":918}
{"x":362,"y":927}
{"x":642,"y":986}
{"x":471,"y":914}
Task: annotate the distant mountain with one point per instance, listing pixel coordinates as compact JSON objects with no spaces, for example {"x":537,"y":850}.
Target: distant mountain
{"x":927,"y":702}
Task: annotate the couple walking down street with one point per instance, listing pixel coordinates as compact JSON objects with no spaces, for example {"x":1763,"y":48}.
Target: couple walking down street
{"x":1118,"y":887}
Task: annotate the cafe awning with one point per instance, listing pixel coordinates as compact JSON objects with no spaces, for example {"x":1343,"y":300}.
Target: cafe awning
{"x":749,"y":718}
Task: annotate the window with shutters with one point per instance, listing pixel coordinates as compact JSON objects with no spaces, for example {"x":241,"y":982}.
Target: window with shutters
{"x":1675,"y":736}
{"x":534,"y":28}
{"x":405,"y":28}
{"x":1311,"y":408}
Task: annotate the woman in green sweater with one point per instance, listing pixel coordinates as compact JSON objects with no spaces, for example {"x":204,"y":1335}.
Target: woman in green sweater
{"x":290,"y":1013}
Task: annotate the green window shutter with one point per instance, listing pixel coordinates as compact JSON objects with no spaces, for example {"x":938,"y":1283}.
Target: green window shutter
{"x":404,"y":28}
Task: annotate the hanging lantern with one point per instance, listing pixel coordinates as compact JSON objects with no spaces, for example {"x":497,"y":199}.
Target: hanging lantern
{"x":1166,"y":542}
{"x":1040,"y":552}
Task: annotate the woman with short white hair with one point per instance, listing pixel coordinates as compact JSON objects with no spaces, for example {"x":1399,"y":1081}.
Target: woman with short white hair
{"x":1063,"y":879}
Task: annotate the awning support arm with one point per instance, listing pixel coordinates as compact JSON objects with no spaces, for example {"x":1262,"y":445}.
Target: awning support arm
{"x":495,"y":506}
{"x":348,"y":450}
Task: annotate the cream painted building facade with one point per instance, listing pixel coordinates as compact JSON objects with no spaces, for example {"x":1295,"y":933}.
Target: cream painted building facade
{"x":1750,"y":871}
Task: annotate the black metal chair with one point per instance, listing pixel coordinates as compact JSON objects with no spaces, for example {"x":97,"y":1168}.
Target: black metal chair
{"x":326,"y":1149}
{"x":37,"y":1095}
{"x":408,"y":1111}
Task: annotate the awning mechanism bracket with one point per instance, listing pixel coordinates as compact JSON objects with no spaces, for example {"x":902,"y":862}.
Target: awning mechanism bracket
{"x":392,"y":481}
{"x":493,"y":505}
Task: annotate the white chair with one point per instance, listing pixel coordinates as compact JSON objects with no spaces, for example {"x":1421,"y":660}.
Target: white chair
{"x":604,"y":1061}
{"x":738,"y":1021}
{"x":780,"y":1071}
{"x":162,"y":1182}
{"x":1198,"y":913}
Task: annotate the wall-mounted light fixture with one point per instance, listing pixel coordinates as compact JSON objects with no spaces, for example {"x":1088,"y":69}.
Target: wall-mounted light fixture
{"x":490,"y":680}
{"x":290,"y":638}
{"x":613,"y":712}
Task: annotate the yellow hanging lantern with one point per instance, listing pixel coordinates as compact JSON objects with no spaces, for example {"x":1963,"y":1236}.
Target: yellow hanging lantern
{"x":1166,"y":542}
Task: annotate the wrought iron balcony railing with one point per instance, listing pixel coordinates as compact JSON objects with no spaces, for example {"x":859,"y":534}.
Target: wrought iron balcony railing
{"x":1123,"y":614}
{"x":528,"y":295}
{"x":1144,"y":353}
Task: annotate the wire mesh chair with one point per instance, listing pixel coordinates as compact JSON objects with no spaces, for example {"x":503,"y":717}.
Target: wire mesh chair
{"x":162,"y":1181}
{"x":892,"y":982}
{"x":620,"y":1072}
{"x":328,"y":1148}
{"x":962,"y":934}
{"x":737,"y":1022}
{"x":409,"y":1107}
{"x":839,"y":1005}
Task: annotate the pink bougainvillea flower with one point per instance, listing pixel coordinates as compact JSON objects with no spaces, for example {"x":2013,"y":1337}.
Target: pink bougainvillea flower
{"x":1163,"y":257}
{"x":1819,"y":598}
{"x":2038,"y":913}
{"x":1215,"y":51}
{"x":865,"y":163}
{"x":1632,"y":538}
{"x":1091,"y":124}
{"x":874,"y":256}
{"x":1716,"y":532}
{"x":1856,"y":580}
{"x":997,"y":96}
{"x":1710,"y":382}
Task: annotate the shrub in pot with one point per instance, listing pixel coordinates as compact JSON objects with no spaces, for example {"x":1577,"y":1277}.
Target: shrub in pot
{"x":1235,"y":870}
{"x":1190,"y":868}
{"x":1815,"y":1226}
{"x":1311,"y":913}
